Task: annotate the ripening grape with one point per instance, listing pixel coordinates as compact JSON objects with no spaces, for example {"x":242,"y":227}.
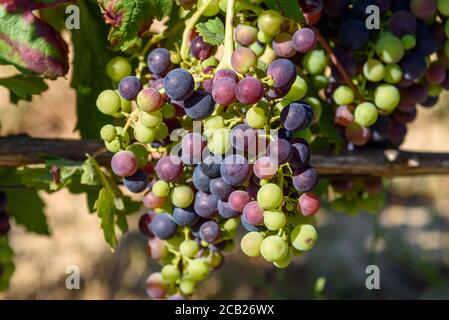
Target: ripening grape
{"x":423,"y":9}
{"x":108,"y":102}
{"x":357,"y":134}
{"x":124,"y":163}
{"x":283,"y":45}
{"x":182,"y":196}
{"x":279,"y":151}
{"x":243,"y":60}
{"x":238,"y":200}
{"x":304,"y":40}
{"x":274,"y":220}
{"x":185,"y":216}
{"x":308,"y":204}
{"x":220,"y":189}
{"x":273,"y":248}
{"x":223,"y":91}
{"x":251,"y":243}
{"x":169,"y":168}
{"x":304,"y":237}
{"x":157,"y":249}
{"x":225,"y":74}
{"x":270,"y":196}
{"x":283,"y":72}
{"x":205,"y":204}
{"x":155,"y":286}
{"x":249,"y":90}
{"x":269,"y":22}
{"x":365,"y":114}
{"x":118,"y":68}
{"x":296,"y":116}
{"x":149,"y":99}
{"x":235,"y":170}
{"x":245,"y":34}
{"x":300,"y":154}
{"x":150,"y":201}
{"x":387,"y":97}
{"x":225,"y":210}
{"x":264,"y":168}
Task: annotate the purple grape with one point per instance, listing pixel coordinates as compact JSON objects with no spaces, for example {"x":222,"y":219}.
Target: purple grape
{"x":283,"y":45}
{"x":169,"y":168}
{"x":205,"y":204}
{"x":225,"y":74}
{"x":249,"y":90}
{"x":225,"y":210}
{"x":192,"y":146}
{"x":248,"y":226}
{"x":253,"y":213}
{"x":423,"y":9}
{"x":223,"y":91}
{"x":129,"y":87}
{"x":220,"y":189}
{"x":353,"y":34}
{"x":296,"y":116}
{"x":124,"y":163}
{"x":235,"y":170}
{"x":397,"y":133}
{"x":416,"y":93}
{"x":402,"y":23}
{"x":336,"y":8}
{"x":211,"y":166}
{"x":305,"y":179}
{"x":304,"y":40}
{"x":311,"y":6}
{"x":282,"y":71}
{"x":200,"y":49}
{"x":199,"y":105}
{"x":159,"y":61}
{"x":436,"y":74}
{"x":179,"y":84}
{"x":136,"y":183}
{"x":210,"y":231}
{"x":144,"y":224}
{"x":245,"y":34}
{"x":238,"y":199}
{"x":279,"y":151}
{"x":163,"y":226}
{"x":425,"y":44}
{"x":243,"y":137}
{"x":430,"y":102}
{"x":185,"y":217}
{"x":413,"y":66}
{"x":300,"y":154}
{"x":405,"y":117}
{"x":200,"y":180}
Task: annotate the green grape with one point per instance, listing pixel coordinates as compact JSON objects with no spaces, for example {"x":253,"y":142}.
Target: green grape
{"x":187,"y":286}
{"x":162,"y":131}
{"x":434,"y":90}
{"x":231,"y":224}
{"x":393,"y":73}
{"x":198,"y":269}
{"x":170,"y":274}
{"x":365,"y":114}
{"x":274,"y":220}
{"x":374,"y":70}
{"x":273,"y":248}
{"x":161,"y":189}
{"x":443,"y":7}
{"x":113,"y":146}
{"x":315,"y":103}
{"x":108,"y":133}
{"x":182,"y":196}
{"x":408,"y":41}
{"x":125,"y":105}
{"x":251,"y":243}
{"x":387,"y":97}
{"x":213,"y":123}
{"x":141,"y":153}
{"x":304,"y":237}
{"x":220,"y":141}
{"x":279,"y":106}
{"x":315,"y":62}
{"x":320,"y":81}
{"x":298,"y":90}
{"x":108,"y":102}
{"x":144,"y":134}
{"x":150,"y":119}
{"x":284,"y":262}
{"x":257,"y":48}
{"x":264,"y":38}
{"x":390,"y":49}
{"x":343,"y":95}
{"x":189,"y":248}
{"x":118,"y":68}
{"x":215,"y":260}
{"x":306,"y":134}
{"x":211,"y":10}
{"x":269,"y":196}
{"x":270,"y":22}
{"x":256,"y":118}
{"x":209,"y":62}
{"x":168,"y":111}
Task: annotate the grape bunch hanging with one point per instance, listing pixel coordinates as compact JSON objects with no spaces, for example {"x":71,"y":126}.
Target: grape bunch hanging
{"x":258,"y":96}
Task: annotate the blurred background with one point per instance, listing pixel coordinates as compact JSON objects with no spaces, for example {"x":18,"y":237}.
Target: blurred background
{"x":408,"y":240}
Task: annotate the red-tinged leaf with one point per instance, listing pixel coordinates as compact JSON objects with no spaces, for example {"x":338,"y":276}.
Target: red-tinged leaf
{"x":31,"y":44}
{"x":28,"y":5}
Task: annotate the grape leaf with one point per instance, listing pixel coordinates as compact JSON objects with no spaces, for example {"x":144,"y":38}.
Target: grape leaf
{"x":288,"y":8}
{"x":23,"y":87}
{"x":106,"y":212}
{"x":89,"y":76}
{"x":212,"y":31}
{"x":130,"y":18}
{"x":31,"y":44}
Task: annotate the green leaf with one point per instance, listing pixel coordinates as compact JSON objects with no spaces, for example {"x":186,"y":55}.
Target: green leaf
{"x":89,"y":76}
{"x":23,"y":87}
{"x":90,"y":174}
{"x":31,"y":44}
{"x":130,"y":18}
{"x":288,"y":8}
{"x":212,"y":31}
{"x":106,"y":212}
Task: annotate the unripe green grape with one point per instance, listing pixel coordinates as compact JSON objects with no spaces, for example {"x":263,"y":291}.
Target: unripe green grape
{"x":215,"y":260}
{"x":162,"y":131}
{"x":315,"y":103}
{"x":211,"y":10}
{"x":231,"y":224}
{"x":161,"y":189}
{"x":251,"y":243}
{"x":140,"y":152}
{"x":434,"y":90}
{"x":387,"y":97}
{"x":390,"y":49}
{"x":274,"y":220}
{"x":175,"y":57}
{"x":269,"y":196}
{"x":125,"y":105}
{"x":304,"y":237}
{"x":144,"y":134}
{"x":213,"y":123}
{"x":113,"y":146}
{"x":220,"y":141}
{"x":182,"y":196}
{"x":243,"y":60}
{"x":209,"y":62}
{"x":108,"y":102}
{"x":118,"y":68}
{"x":264,"y":38}
{"x":150,"y":119}
{"x":187,"y":286}
{"x":443,"y":7}
{"x":273,"y":248}
{"x":149,"y":99}
{"x":266,"y":58}
{"x":305,"y":134}
{"x":189,"y":248}
{"x":198,"y":269}
{"x":170,"y":274}
{"x":108,"y":133}
{"x":168,"y":111}
{"x":408,"y":41}
{"x":270,"y":22}
{"x":374,"y":70}
{"x":256,"y":118}
{"x":315,"y":62}
{"x":393,"y":73}
{"x":257,"y":48}
{"x":343,"y":95}
{"x":298,"y":90}
{"x":365,"y":114}
{"x":284,"y":262}
{"x":279,"y":106}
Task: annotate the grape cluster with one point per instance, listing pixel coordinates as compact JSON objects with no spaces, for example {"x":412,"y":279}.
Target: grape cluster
{"x":6,"y":265}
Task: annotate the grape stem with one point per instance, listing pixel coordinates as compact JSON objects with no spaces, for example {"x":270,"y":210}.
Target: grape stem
{"x":225,"y":62}
{"x":337,"y":64}
{"x":190,"y":24}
